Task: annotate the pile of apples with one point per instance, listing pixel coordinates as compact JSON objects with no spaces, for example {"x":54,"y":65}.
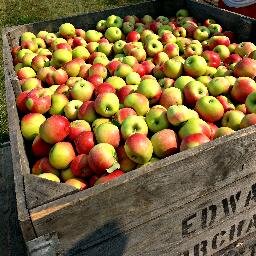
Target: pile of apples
{"x":98,"y":103}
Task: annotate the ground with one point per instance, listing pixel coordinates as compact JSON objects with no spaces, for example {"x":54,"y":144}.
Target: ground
{"x":15,"y":12}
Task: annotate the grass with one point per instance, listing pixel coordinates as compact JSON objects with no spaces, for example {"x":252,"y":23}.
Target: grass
{"x":15,"y":12}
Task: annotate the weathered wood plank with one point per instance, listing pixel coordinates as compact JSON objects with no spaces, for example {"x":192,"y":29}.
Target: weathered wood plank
{"x":144,"y":195}
{"x":19,"y":159}
{"x":11,"y":240}
{"x":40,"y":191}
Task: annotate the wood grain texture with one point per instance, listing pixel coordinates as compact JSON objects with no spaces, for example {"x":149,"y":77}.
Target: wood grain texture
{"x":11,"y":240}
{"x":18,"y":154}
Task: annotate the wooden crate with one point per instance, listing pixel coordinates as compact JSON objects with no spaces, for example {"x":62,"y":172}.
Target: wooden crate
{"x":197,"y":202}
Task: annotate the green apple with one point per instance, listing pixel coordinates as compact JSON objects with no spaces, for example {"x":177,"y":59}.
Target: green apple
{"x":30,"y":125}
{"x":172,"y":68}
{"x":156,"y":119}
{"x":195,"y":66}
{"x":182,"y":81}
{"x":116,"y":82}
{"x":113,"y":34}
{"x":82,"y":90}
{"x":194,"y":125}
{"x":59,"y":101}
{"x":106,"y":104}
{"x":209,"y":109}
{"x":133,"y":124}
{"x":133,"y":78}
{"x":232,"y":119}
{"x":218,"y":86}
{"x":71,"y":109}
{"x":61,"y":155}
{"x":114,"y":21}
{"x":138,"y":102}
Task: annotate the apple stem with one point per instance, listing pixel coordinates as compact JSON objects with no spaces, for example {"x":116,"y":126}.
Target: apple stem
{"x":114,"y":167}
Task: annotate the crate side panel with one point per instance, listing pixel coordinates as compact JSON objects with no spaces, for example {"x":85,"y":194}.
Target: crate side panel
{"x":41,"y":191}
{"x":130,"y":201}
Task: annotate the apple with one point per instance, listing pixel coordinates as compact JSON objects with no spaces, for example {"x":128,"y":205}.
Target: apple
{"x":133,"y":124}
{"x":226,"y":103}
{"x":212,"y":58}
{"x":66,"y":174}
{"x":58,"y":102}
{"x":165,"y":143}
{"x":114,"y":21}
{"x":252,"y":55}
{"x":92,"y":36}
{"x":194,"y":125}
{"x":102,"y":157}
{"x":116,"y":82}
{"x":242,"y":108}
{"x":82,"y":90}
{"x":182,"y":81}
{"x":231,"y":60}
{"x":204,"y":79}
{"x":122,"y":114}
{"x":54,"y":129}
{"x":171,"y":49}
{"x":30,"y":124}
{"x":103,"y":88}
{"x":123,"y":70}
{"x":25,"y":72}
{"x":171,"y":96}
{"x":166,"y":82}
{"x":245,"y":67}
{"x":195,"y":66}
{"x":218,"y":86}
{"x":80,"y":52}
{"x":27,"y":59}
{"x":30,"y":84}
{"x":250,"y":102}
{"x":209,"y":109}
{"x":113,"y":34}
{"x":130,"y":60}
{"x":27,"y":36}
{"x":156,"y":118}
{"x":167,"y":37}
{"x":77,"y":183}
{"x":84,"y":142}
{"x":58,"y":76}
{"x":193,"y":91}
{"x":106,"y":48}
{"x":223,"y":51}
{"x":222,"y":131}
{"x":193,"y":140}
{"x":242,"y":88}
{"x":151,"y":89}
{"x":245,"y":48}
{"x":49,"y":176}
{"x":71,"y":109}
{"x":126,"y":164}
{"x":133,"y":36}
{"x":138,"y":102}
{"x":80,"y":167}
{"x":108,"y":133}
{"x":218,"y":40}
{"x":67,"y":30}
{"x":40,"y":148}
{"x":232,"y":119}
{"x":106,"y":178}
{"x":106,"y":104}
{"x":194,"y":48}
{"x":40,"y":61}
{"x":78,"y":126}
{"x":153,"y":47}
{"x":201,"y":33}
{"x":138,"y":148}
{"x":133,"y":78}
{"x":43,"y":166}
{"x":61,"y":155}
{"x":38,"y":101}
{"x":178,"y":114}
{"x":248,"y":120}
{"x":60,"y":57}
{"x":172,"y":68}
